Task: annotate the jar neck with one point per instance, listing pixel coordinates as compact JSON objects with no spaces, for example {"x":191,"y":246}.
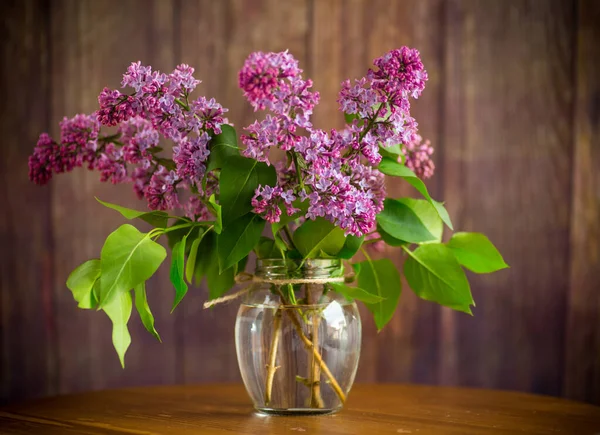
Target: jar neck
{"x":278,"y":269}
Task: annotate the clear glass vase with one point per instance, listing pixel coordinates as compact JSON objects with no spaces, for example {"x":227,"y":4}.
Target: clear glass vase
{"x":297,"y":341}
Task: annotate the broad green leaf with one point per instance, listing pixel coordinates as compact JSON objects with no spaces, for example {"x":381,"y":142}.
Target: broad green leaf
{"x":476,"y":252}
{"x":128,"y":258}
{"x":190,"y":266}
{"x":435,"y":275}
{"x":177,"y":271}
{"x":241,"y":266}
{"x":238,"y":239}
{"x":219,"y":283}
{"x":356,"y":293}
{"x":286,"y":219}
{"x":176,"y":235}
{"x":118,"y":309}
{"x":351,"y":247}
{"x":401,"y":220}
{"x":222,"y":147}
{"x":158,"y":219}
{"x":81,"y":283}
{"x":389,"y":240}
{"x":266,"y":248}
{"x":238,"y":180}
{"x":391,"y":167}
{"x":143,"y":309}
{"x":393,"y":153}
{"x":207,"y":253}
{"x":427,"y":215}
{"x":318,"y":235}
{"x":216,"y":210}
{"x":380,"y":278}
{"x":167,"y":163}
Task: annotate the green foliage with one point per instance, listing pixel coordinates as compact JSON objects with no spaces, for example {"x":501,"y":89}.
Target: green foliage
{"x":190,"y":266}
{"x":219,"y":283}
{"x":267,"y":248}
{"x":205,"y":256}
{"x":356,"y":293}
{"x":158,"y":219}
{"x":390,"y":166}
{"x":222,"y":147}
{"x":118,"y":309}
{"x":434,"y":274}
{"x":392,"y":153}
{"x":216,"y":210}
{"x":177,"y":271}
{"x":380,"y":278}
{"x":143,"y":309}
{"x":238,"y":239}
{"x":351,"y":247}
{"x":475,"y":252}
{"x":239,"y":179}
{"x":408,"y":220}
{"x":81,"y":283}
{"x":318,"y":236}
{"x":128,"y":258}
{"x":389,"y":240}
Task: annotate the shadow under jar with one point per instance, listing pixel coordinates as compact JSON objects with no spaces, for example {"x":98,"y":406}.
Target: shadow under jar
{"x":297,"y":341}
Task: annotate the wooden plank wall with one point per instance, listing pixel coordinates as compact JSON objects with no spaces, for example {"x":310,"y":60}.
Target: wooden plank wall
{"x":512,"y":107}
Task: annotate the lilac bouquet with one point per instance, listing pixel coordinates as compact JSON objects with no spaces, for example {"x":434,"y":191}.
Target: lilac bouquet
{"x":323,"y":198}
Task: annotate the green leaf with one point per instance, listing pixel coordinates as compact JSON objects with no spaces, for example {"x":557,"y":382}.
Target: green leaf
{"x":356,"y":293}
{"x":409,"y":220}
{"x":391,"y":167}
{"x":118,"y":309}
{"x":216,"y":210}
{"x":380,"y":278}
{"x":158,"y":219}
{"x":392,"y":153}
{"x":128,"y":258}
{"x":206,"y":256}
{"x":176,"y":235}
{"x":190,"y":266}
{"x":266,"y":248}
{"x":143,"y":309}
{"x":475,"y":252}
{"x":219,"y":283}
{"x":350,"y":117}
{"x":81,"y":283}
{"x":389,"y":240}
{"x":435,"y":275}
{"x":238,"y":239}
{"x":222,"y":147}
{"x":351,"y":247}
{"x":177,"y":269}
{"x":239,"y":179}
{"x":318,"y":235}
{"x":167,"y":163}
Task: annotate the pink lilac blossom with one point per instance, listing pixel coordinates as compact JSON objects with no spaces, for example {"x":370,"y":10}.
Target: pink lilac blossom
{"x":336,"y":174}
{"x":157,"y":106}
{"x":418,"y":156}
{"x":273,"y":81}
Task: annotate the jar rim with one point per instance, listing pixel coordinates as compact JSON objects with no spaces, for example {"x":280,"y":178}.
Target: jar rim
{"x":288,"y":268}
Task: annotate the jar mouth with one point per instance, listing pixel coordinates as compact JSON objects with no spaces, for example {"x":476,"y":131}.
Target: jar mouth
{"x":278,"y":268}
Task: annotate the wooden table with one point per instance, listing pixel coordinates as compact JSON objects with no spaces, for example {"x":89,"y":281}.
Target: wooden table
{"x":371,"y":410}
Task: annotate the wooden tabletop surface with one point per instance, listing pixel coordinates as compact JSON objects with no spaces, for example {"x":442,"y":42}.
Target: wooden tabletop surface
{"x":371,"y":409}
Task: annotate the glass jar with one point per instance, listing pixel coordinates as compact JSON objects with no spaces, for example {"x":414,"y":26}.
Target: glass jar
{"x":297,"y":341}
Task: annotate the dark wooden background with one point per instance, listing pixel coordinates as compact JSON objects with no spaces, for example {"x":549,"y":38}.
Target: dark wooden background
{"x":512,"y":107}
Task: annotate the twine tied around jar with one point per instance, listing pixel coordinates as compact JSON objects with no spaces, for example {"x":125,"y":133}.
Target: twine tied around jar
{"x":245,"y":277}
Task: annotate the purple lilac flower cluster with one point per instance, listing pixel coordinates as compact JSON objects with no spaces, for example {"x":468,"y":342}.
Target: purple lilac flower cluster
{"x":158,"y":106}
{"x":333,"y":171}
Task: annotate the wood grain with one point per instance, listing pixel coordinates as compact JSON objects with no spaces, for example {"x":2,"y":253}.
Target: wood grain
{"x":582,"y":341}
{"x":511,"y":107}
{"x":380,"y":409}
{"x":508,"y":152}
{"x":26,"y":262}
